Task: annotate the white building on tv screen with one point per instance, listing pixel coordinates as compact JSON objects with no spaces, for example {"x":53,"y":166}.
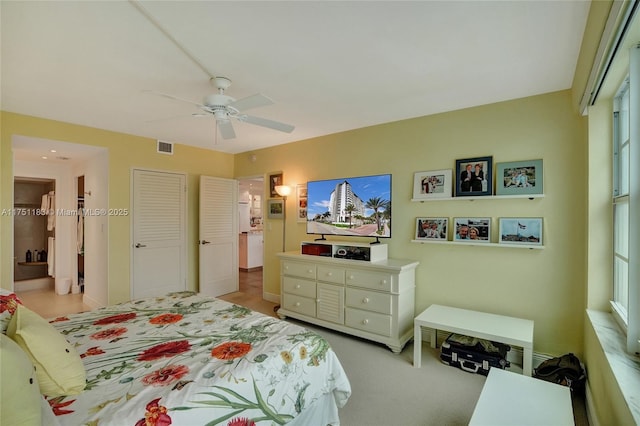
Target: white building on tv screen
{"x":341,"y":197}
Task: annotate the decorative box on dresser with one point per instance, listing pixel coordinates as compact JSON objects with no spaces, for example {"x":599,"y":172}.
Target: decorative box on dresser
{"x":351,"y":294}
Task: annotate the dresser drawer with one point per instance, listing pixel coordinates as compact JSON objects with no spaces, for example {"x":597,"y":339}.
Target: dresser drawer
{"x":299,"y":286}
{"x":373,"y":280}
{"x":369,"y":300}
{"x":299,"y":269}
{"x":331,"y":274}
{"x":368,"y":321}
{"x":302,"y":305}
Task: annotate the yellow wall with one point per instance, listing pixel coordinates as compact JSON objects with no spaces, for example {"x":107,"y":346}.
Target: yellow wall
{"x":547,"y":285}
{"x":608,"y":403}
{"x":125,"y":152}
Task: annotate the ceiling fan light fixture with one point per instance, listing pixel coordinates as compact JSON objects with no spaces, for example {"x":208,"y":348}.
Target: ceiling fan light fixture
{"x":220,"y":83}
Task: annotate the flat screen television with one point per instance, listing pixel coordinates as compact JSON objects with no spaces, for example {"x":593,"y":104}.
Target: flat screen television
{"x":357,"y":206}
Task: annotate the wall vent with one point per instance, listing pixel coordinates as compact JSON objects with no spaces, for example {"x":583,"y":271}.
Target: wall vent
{"x":165,"y":147}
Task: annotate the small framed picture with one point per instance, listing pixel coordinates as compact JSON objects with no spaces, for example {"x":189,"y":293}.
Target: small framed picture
{"x":432,"y":228}
{"x":474,"y":176}
{"x":433,"y":184}
{"x":472,"y":229}
{"x":301,"y":197}
{"x":519,"y":177}
{"x":275,"y":208}
{"x":521,"y":231}
{"x":275,"y":179}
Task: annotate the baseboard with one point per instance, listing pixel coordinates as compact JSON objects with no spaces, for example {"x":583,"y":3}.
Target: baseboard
{"x":271,"y":297}
{"x":591,"y":414}
{"x":44,"y":283}
{"x":92,"y":303}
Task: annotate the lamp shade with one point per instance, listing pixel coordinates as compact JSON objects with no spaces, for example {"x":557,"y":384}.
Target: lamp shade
{"x":283,"y":190}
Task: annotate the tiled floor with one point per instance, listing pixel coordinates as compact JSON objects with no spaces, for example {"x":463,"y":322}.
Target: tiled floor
{"x":50,"y":305}
{"x":250,"y":294}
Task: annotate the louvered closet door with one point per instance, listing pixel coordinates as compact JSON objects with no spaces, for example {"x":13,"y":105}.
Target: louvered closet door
{"x":218,"y":236}
{"x":159,"y":233}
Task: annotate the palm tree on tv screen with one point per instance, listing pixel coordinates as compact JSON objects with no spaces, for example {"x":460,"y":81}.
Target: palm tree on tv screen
{"x":375,"y":204}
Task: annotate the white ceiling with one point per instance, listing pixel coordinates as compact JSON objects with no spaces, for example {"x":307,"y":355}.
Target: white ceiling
{"x":330,"y":66}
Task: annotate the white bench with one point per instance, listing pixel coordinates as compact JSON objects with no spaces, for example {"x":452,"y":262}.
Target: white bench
{"x":512,"y":399}
{"x":497,"y":328}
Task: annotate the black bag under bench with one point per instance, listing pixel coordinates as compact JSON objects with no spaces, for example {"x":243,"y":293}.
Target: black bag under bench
{"x":474,"y":355}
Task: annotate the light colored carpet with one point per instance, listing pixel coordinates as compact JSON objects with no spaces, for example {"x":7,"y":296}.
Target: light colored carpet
{"x":388,"y":390}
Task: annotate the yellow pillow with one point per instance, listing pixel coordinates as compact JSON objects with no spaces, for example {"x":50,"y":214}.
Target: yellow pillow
{"x":58,"y":366}
{"x":19,"y":394}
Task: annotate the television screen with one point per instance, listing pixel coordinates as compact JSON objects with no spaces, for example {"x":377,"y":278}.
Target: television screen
{"x":357,"y":206}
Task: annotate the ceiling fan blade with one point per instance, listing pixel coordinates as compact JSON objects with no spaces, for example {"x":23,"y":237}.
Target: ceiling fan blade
{"x":252,"y":101}
{"x":175,"y":98}
{"x":226,"y":129}
{"x":264,"y":122}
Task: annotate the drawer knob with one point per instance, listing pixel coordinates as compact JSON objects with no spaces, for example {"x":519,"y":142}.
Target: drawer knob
{"x":297,"y":304}
{"x":310,"y":271}
{"x":286,"y":267}
{"x":317,"y":300}
{"x":365,"y":300}
{"x":350,"y":277}
{"x":384,"y":281}
{"x":329,"y":273}
{"x":365,"y":321}
{"x":297,"y":285}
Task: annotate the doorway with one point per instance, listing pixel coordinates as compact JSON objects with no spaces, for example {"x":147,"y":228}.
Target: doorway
{"x":251,"y":237}
{"x":34,"y":232}
{"x":62,"y":163}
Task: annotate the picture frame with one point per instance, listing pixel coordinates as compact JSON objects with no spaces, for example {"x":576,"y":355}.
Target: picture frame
{"x":520,"y":231}
{"x":275,"y":179}
{"x":474,"y":176}
{"x":472,"y":229}
{"x":275,"y":208}
{"x":432,"y":184}
{"x":519,"y":177}
{"x":432,"y":228}
{"x":301,"y":202}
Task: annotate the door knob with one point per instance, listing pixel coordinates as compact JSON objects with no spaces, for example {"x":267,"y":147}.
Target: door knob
{"x":205,"y":242}
{"x":140,"y":245}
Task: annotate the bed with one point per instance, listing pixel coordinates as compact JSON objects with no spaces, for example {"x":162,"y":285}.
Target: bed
{"x":187,"y":359}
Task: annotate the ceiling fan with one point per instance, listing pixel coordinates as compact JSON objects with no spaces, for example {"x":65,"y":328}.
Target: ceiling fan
{"x":224,"y":108}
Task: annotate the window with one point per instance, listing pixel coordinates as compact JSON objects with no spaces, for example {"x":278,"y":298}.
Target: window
{"x":626,"y":203}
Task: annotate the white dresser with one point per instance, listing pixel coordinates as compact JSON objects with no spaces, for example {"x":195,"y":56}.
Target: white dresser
{"x":372,"y":300}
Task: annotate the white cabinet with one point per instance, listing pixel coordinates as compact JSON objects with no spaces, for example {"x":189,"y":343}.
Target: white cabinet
{"x":372,"y":300}
{"x":250,"y":249}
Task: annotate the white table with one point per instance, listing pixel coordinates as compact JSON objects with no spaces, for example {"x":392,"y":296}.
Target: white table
{"x":512,"y":399}
{"x":497,"y":328}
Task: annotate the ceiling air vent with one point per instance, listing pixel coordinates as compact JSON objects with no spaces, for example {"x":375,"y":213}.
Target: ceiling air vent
{"x":165,"y":147}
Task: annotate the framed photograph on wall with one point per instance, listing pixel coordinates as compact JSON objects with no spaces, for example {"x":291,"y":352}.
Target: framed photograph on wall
{"x":432,"y":184}
{"x":301,"y":202}
{"x":432,"y":228}
{"x":521,"y":231}
{"x":519,"y":177}
{"x":275,"y":208}
{"x":275,"y":179}
{"x":472,"y":229}
{"x":474,"y":176}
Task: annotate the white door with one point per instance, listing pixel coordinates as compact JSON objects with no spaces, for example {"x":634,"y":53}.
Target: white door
{"x":159,"y":233}
{"x":218,"y":238}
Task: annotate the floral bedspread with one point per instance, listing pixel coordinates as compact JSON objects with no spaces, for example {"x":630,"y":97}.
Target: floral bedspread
{"x":186,"y":359}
